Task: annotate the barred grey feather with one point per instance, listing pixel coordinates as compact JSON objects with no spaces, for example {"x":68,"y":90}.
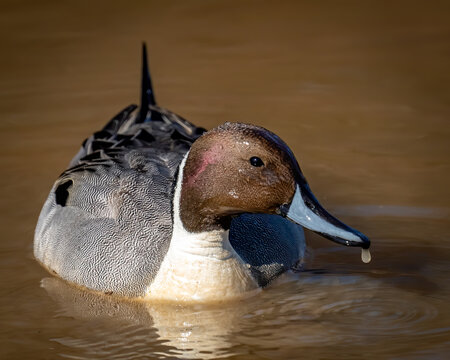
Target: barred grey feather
{"x":107,"y":221}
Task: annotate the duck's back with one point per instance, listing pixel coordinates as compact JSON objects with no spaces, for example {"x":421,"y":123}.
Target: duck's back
{"x":107,"y":221}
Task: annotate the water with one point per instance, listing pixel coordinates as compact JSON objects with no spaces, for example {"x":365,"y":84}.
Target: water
{"x":359,"y":90}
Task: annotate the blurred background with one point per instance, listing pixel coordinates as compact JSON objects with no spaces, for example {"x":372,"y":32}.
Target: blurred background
{"x":358,"y":89}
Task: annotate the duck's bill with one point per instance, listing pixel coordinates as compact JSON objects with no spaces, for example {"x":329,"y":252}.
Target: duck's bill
{"x":306,"y":211}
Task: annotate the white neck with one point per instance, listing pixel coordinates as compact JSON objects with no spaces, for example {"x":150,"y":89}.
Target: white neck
{"x":199,"y":266}
{"x":205,"y":243}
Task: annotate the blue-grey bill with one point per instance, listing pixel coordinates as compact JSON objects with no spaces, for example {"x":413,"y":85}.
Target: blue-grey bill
{"x":306,"y":211}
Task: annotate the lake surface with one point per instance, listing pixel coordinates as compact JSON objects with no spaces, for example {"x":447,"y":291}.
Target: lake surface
{"x":359,"y":90}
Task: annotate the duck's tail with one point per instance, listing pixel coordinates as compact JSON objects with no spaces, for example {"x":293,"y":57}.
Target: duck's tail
{"x":147,"y":94}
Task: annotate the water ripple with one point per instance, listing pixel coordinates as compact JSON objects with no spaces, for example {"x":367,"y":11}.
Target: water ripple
{"x":382,"y":315}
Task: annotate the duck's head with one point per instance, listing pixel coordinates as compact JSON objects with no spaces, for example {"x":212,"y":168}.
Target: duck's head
{"x":239,"y":168}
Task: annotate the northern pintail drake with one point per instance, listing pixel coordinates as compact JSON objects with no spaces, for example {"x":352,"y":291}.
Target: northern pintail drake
{"x":154,"y":207}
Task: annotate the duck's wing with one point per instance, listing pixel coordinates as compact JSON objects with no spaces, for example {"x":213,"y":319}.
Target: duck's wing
{"x":107,"y":221}
{"x":163,"y":131}
{"x":137,"y":128}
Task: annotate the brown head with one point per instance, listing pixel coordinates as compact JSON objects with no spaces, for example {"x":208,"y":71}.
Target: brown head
{"x":239,"y":168}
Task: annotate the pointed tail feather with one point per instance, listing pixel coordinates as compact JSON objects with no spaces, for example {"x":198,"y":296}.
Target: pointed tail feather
{"x":147,"y":94}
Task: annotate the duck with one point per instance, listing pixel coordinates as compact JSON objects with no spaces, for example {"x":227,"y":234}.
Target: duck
{"x":153,"y":207}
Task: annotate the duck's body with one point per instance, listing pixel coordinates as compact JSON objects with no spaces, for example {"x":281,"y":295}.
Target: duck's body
{"x":108,"y":221}
{"x":154,"y":207}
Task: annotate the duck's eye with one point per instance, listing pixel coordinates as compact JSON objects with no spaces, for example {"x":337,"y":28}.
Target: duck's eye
{"x":256,"y":161}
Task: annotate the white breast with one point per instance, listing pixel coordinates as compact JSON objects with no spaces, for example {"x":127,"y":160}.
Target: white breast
{"x":202,"y":269}
{"x":199,"y":266}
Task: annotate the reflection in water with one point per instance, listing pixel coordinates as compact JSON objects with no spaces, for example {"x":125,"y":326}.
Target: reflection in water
{"x":190,"y":331}
{"x":301,"y":310}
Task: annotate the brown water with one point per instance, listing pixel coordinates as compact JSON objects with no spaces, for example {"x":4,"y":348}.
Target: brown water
{"x":359,"y":90}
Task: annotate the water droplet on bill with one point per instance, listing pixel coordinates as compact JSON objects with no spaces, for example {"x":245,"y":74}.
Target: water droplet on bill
{"x":365,"y":256}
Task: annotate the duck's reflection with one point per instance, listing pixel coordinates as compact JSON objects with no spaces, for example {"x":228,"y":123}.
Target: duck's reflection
{"x":190,"y":331}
